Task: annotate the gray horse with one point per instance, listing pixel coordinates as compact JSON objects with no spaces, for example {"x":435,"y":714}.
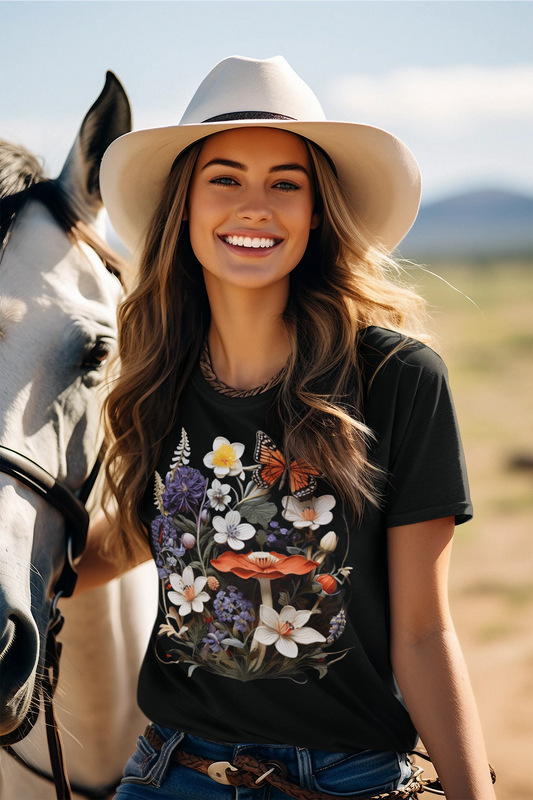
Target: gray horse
{"x":57,"y":330}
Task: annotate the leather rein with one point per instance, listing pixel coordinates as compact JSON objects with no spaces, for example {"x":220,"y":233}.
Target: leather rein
{"x":72,"y":506}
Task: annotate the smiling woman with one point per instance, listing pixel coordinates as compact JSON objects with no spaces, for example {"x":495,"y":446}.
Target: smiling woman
{"x":262,"y":235}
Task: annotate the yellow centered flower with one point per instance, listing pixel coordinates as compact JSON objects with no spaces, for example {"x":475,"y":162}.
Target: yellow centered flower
{"x":225,"y":456}
{"x":309,"y":514}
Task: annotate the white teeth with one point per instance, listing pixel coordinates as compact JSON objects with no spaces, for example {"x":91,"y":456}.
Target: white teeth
{"x":247,"y":241}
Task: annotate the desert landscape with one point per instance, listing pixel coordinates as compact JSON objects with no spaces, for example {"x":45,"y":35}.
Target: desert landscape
{"x":484,"y":331}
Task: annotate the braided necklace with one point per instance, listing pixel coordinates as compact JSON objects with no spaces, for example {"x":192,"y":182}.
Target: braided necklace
{"x":209,"y":375}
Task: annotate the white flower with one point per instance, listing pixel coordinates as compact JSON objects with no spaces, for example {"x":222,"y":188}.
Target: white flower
{"x":232,"y":531}
{"x":312,"y":512}
{"x":329,"y":541}
{"x":345,"y":571}
{"x":224,"y":458}
{"x":188,"y":595}
{"x":285,"y":629}
{"x":219,"y":495}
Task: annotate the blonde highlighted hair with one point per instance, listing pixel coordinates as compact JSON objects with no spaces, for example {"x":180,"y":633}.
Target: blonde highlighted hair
{"x":341,"y":286}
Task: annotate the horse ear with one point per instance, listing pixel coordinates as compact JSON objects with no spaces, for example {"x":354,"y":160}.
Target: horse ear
{"x":106,"y":120}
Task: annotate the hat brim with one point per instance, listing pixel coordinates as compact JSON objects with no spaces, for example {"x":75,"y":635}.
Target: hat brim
{"x":378,"y":171}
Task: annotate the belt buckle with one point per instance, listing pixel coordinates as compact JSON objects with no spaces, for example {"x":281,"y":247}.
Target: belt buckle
{"x":217,"y":771}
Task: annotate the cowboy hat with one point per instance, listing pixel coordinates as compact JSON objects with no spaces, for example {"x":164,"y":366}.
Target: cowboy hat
{"x":378,"y":172}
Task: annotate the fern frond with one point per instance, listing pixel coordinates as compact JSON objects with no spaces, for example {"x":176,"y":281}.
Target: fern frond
{"x":182,"y":453}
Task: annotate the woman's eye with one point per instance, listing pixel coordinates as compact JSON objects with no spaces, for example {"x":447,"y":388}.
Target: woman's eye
{"x":224,"y":181}
{"x":97,"y":356}
{"x":286,"y":186}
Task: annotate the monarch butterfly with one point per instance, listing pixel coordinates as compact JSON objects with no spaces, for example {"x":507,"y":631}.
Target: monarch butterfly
{"x":273,"y":466}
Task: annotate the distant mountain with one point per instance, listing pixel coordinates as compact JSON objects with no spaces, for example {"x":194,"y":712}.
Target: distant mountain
{"x":480,"y":225}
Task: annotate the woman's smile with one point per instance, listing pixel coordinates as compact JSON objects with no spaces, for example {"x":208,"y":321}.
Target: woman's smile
{"x":251,"y":244}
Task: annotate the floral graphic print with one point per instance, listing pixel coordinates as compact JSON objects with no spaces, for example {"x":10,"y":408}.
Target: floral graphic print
{"x":246,"y":595}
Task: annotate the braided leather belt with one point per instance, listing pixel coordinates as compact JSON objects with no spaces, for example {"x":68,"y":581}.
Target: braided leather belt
{"x":248,"y":771}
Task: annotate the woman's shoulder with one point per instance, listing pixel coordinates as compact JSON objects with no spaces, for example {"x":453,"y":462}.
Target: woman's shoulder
{"x":388,"y":352}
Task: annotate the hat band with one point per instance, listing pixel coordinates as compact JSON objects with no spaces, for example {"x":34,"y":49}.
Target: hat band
{"x":246,"y":115}
{"x":235,"y":115}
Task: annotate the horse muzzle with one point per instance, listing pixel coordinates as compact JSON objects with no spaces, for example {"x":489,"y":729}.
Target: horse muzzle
{"x":19,"y":656}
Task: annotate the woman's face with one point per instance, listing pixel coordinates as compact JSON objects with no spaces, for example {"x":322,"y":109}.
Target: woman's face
{"x":250,"y":206}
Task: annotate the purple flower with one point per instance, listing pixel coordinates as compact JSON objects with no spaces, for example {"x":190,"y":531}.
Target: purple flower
{"x":278,"y":537}
{"x":164,"y":533}
{"x":213,"y":641}
{"x":167,"y":545}
{"x":242,"y":619}
{"x":184,"y":491}
{"x":337,"y":625}
{"x":230,"y":605}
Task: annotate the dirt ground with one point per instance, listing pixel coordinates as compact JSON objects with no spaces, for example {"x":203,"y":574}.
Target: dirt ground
{"x":489,"y":353}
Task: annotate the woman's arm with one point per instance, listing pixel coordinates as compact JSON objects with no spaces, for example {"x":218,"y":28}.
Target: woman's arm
{"x":427,"y":659}
{"x":93,"y":568}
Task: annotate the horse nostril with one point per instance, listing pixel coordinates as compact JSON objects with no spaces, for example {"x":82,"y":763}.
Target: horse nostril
{"x":19,"y":652}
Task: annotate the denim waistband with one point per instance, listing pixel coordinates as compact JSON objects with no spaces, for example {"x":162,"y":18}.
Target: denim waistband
{"x":304,"y":765}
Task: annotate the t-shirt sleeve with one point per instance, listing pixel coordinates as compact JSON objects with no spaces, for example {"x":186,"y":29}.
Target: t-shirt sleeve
{"x":427,"y":472}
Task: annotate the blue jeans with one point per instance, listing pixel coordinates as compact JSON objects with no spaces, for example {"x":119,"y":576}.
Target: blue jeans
{"x":153,"y":775}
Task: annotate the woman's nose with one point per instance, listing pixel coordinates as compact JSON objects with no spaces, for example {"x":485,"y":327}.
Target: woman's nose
{"x":254,"y":207}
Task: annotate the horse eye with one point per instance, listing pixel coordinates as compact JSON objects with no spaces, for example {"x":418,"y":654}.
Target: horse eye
{"x":97,"y":356}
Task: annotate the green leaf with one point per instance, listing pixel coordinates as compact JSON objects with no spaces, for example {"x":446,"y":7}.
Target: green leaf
{"x":284,"y":598}
{"x":233,"y":642}
{"x":294,"y":551}
{"x":187,"y":525}
{"x":208,"y":548}
{"x":258,"y":513}
{"x":321,"y":669}
{"x":261,"y":538}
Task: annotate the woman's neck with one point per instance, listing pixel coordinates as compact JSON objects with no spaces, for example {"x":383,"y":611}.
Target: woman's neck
{"x":248,"y":343}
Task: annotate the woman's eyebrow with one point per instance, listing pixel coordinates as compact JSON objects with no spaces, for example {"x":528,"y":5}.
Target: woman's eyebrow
{"x":222,"y":162}
{"x":290,"y":168}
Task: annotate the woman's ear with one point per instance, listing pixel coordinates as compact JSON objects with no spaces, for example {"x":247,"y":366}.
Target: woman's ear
{"x":316,"y":219}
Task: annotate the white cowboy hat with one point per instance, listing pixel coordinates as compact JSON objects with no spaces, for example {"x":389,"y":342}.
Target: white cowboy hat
{"x":379,"y":173}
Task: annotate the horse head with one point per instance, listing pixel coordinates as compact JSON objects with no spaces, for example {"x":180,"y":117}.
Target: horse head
{"x":57,"y":331}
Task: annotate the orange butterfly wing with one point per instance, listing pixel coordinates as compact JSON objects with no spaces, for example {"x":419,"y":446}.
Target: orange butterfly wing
{"x":302,"y":479}
{"x":271,"y":462}
{"x":273,"y":466}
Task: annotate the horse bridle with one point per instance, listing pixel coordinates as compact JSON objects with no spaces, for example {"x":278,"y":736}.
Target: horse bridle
{"x":72,"y":506}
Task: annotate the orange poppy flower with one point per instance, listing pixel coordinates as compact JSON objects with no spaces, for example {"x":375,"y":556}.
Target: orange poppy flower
{"x":258,"y":564}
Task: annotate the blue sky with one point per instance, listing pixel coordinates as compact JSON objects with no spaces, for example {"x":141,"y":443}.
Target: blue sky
{"x":452,"y":78}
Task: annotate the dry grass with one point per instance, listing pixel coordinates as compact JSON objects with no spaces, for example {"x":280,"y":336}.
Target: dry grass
{"x":489,"y":353}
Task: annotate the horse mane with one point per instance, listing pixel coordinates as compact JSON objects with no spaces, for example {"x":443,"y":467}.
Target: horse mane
{"x":22,"y":179}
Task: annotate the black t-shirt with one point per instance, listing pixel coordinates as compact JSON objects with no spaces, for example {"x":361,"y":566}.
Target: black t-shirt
{"x":272,"y":623}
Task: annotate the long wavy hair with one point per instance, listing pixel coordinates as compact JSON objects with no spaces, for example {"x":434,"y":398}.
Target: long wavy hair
{"x":342,"y":285}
